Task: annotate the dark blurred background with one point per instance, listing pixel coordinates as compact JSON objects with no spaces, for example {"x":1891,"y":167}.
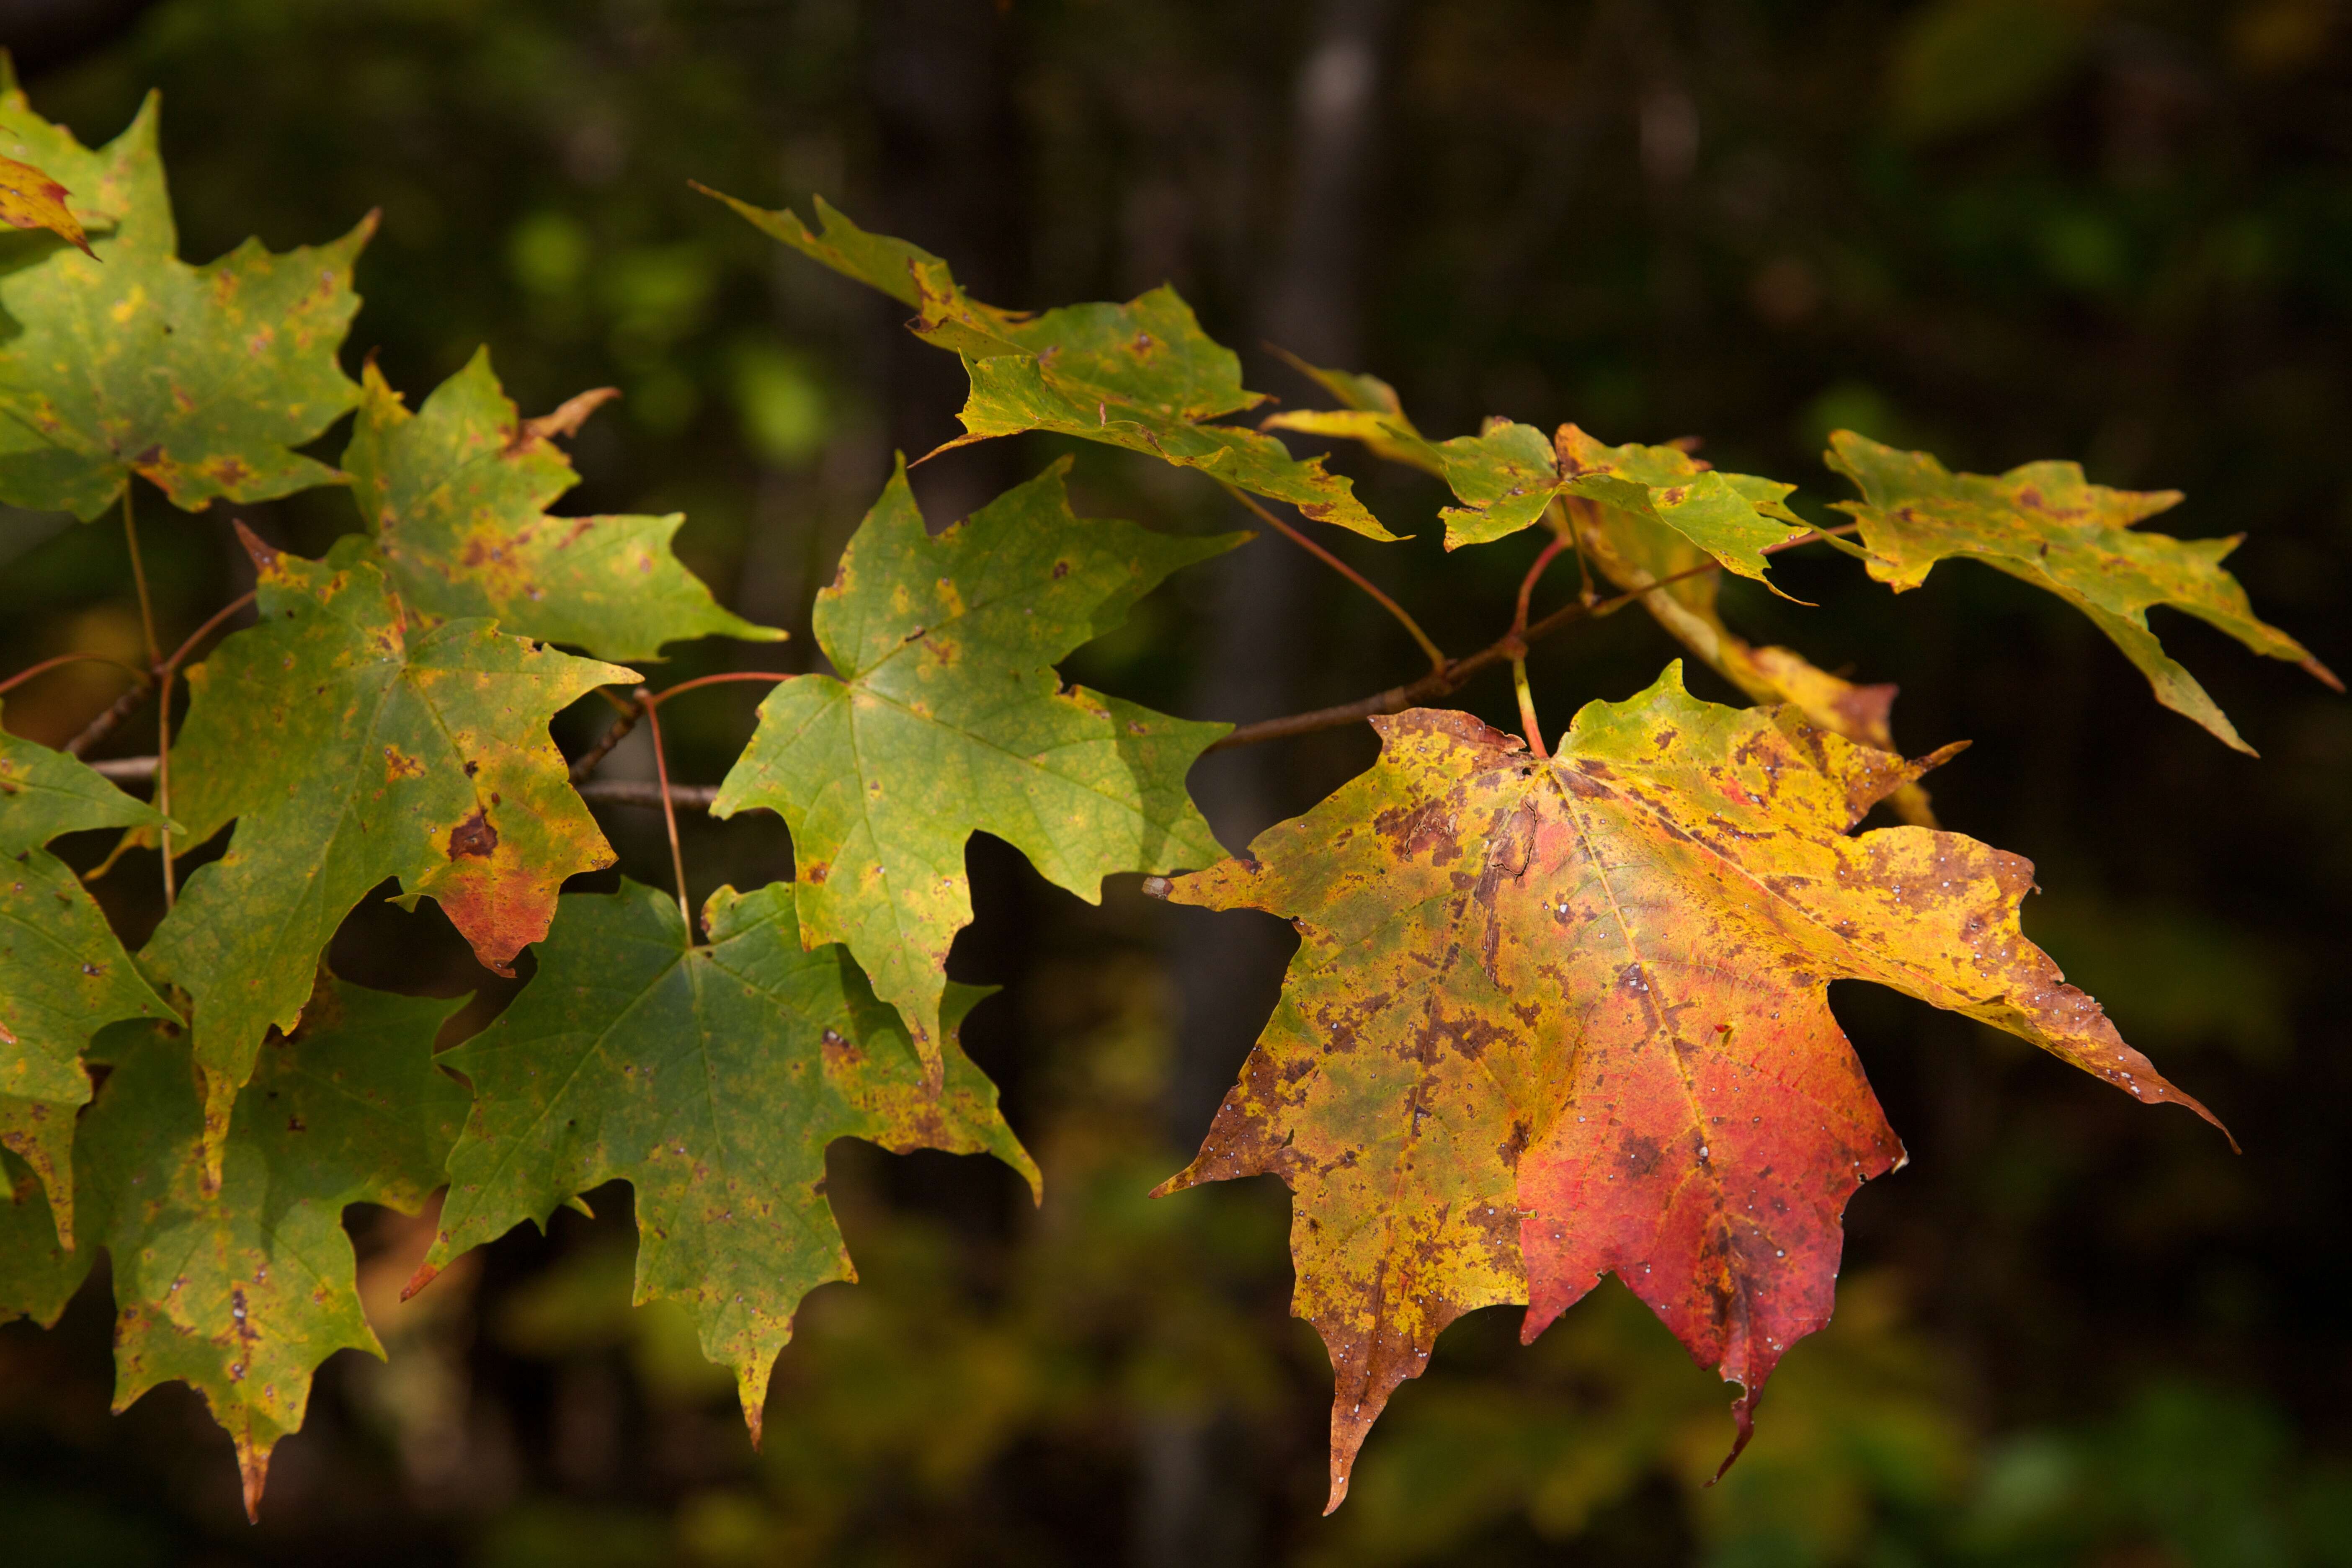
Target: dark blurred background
{"x":2073,"y":1331}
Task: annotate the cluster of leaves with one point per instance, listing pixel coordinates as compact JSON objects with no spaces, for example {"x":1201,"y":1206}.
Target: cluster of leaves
{"x":1556,"y":1013}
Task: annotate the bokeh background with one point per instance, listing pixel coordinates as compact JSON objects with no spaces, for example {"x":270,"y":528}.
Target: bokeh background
{"x":2073,"y":1331}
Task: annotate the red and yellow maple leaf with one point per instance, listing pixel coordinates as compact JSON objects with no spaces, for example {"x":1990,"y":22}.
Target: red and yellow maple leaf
{"x":1550,"y":1019}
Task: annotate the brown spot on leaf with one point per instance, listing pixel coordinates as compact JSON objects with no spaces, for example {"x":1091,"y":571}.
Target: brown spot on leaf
{"x":474,"y":836}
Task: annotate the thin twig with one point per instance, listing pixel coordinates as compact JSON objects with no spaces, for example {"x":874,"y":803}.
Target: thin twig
{"x":669,"y":814}
{"x":100,"y":728}
{"x":1436,"y":656}
{"x":1456,"y":675}
{"x":595,"y":791}
{"x":585,"y":762}
{"x":628,"y":792}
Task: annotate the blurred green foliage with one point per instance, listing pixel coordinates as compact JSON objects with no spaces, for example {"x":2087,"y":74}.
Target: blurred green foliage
{"x":2072,"y":1332}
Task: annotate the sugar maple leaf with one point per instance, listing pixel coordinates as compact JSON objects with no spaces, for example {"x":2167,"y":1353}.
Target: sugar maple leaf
{"x":1142,"y":375}
{"x":1508,"y":475}
{"x":1552,"y":1019}
{"x":30,"y":199}
{"x":1369,"y":414}
{"x":240,"y":1291}
{"x":946,"y":719}
{"x":350,"y":748}
{"x":2045,"y":524}
{"x":63,"y":973}
{"x":455,"y":495}
{"x":1635,"y":554}
{"x":128,"y":361}
{"x":711,"y":1078}
{"x":1633,"y":547}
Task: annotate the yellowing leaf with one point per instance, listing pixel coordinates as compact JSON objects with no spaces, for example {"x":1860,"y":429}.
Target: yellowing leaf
{"x":1635,"y":555}
{"x":1553,"y":1019}
{"x":711,"y":1078}
{"x":946,"y":719}
{"x":241,"y":1291}
{"x":455,"y":497}
{"x":350,"y":748}
{"x":1508,"y":475}
{"x":30,"y":199}
{"x":128,"y":361}
{"x":63,"y":973}
{"x":2046,"y":525}
{"x":1140,"y":375}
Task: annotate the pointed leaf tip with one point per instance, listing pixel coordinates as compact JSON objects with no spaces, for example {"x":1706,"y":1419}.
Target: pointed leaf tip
{"x":253,"y":1470}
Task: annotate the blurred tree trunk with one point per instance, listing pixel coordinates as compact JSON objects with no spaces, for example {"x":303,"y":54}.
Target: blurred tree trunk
{"x":1228,"y":967}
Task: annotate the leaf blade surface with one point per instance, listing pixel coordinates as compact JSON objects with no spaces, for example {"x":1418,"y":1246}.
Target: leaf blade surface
{"x":349,"y":749}
{"x":1588,"y":994}
{"x":711,"y":1078}
{"x":947,"y":718}
{"x":456,"y":496}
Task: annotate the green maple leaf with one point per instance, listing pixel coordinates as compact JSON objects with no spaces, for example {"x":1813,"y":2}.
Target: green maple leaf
{"x":128,"y":361}
{"x":350,"y":748}
{"x":946,"y":719}
{"x":2045,"y":524}
{"x":455,"y":495}
{"x":711,"y":1078}
{"x":63,"y":973}
{"x":242,"y":1289}
{"x":1142,"y":375}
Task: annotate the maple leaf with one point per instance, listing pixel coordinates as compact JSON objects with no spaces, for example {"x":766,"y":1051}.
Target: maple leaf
{"x":2045,"y":524}
{"x":455,"y":495}
{"x":1142,"y":375}
{"x":1369,"y":414}
{"x":1635,"y":553}
{"x":128,"y":361}
{"x":242,"y":1289}
{"x":1552,"y":1019}
{"x":30,"y":199}
{"x":946,"y":719}
{"x":711,"y":1078}
{"x":63,"y":973}
{"x":350,"y":748}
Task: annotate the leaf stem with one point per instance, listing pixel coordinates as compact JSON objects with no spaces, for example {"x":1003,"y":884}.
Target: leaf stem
{"x":162,"y":678}
{"x":664,"y":695}
{"x":179,"y":655}
{"x":646,"y":700}
{"x":1437,"y":660}
{"x":139,"y":576}
{"x":47,"y":665}
{"x":1456,"y":675}
{"x":1528,"y":584}
{"x":163,"y":778}
{"x":1527,"y":725}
